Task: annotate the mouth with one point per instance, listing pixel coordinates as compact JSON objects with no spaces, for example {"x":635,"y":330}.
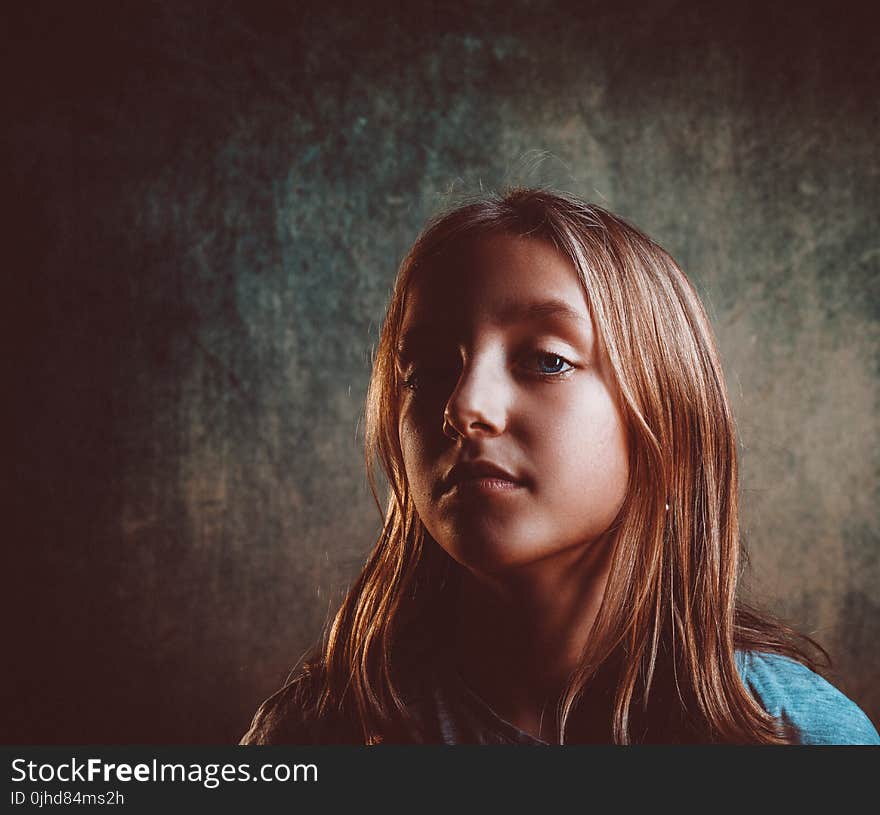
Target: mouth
{"x":485,"y":486}
{"x":482,"y":477}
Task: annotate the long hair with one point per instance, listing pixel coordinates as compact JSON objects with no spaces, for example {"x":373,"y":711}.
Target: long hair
{"x":670,"y":621}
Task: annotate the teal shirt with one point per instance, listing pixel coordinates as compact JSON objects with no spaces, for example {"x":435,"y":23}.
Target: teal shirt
{"x":792,"y":692}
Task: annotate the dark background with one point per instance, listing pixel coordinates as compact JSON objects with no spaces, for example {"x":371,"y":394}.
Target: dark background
{"x":206,"y":204}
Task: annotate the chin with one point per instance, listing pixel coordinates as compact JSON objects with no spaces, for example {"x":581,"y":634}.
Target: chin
{"x":493,"y":556}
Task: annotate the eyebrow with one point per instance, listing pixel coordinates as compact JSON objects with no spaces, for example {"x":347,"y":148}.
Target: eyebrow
{"x":521,"y":312}
{"x":513,"y":313}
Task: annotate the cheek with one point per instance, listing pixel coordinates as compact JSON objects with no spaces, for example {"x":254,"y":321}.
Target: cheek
{"x":583,"y":448}
{"x":419,"y":461}
{"x":615,"y":469}
{"x":409,"y":446}
{"x":610,"y":476}
{"x":417,"y":457}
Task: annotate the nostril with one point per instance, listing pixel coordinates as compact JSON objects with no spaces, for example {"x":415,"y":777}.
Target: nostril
{"x":449,"y":429}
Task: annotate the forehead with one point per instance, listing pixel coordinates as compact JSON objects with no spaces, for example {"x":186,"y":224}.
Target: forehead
{"x":497,"y":278}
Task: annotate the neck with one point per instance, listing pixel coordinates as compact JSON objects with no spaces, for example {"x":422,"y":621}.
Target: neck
{"x":520,"y":634}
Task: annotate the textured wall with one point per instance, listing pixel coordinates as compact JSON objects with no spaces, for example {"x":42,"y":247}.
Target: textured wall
{"x":209,"y":206}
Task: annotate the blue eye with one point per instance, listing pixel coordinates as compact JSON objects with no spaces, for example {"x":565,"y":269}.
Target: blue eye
{"x":550,"y":364}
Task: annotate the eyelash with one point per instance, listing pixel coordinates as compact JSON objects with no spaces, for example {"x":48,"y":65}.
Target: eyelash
{"x":411,"y":380}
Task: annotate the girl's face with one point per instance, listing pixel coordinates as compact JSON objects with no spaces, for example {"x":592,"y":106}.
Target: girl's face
{"x":512,"y":441}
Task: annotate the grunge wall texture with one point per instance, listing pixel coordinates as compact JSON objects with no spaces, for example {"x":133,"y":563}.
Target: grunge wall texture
{"x":207,"y":207}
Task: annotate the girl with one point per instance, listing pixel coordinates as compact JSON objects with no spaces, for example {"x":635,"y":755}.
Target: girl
{"x":559,"y":556}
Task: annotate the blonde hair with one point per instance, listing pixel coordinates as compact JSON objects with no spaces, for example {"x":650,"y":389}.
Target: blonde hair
{"x":670,"y":618}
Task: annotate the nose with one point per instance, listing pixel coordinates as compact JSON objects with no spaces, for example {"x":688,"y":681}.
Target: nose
{"x":478,"y":405}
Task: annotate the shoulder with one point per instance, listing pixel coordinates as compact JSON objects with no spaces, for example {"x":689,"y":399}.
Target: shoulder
{"x":792,"y":692}
{"x":289,"y":717}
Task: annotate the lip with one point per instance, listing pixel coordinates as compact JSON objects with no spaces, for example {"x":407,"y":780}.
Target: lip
{"x":481,"y":476}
